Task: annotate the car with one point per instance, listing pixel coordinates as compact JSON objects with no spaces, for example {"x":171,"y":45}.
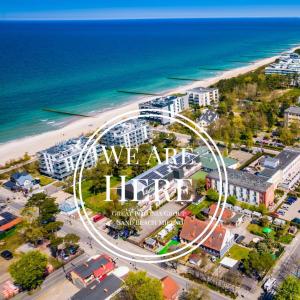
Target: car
{"x":72,"y":249}
{"x":6,"y":254}
{"x":296,"y":220}
{"x":97,"y":218}
{"x":240,"y":239}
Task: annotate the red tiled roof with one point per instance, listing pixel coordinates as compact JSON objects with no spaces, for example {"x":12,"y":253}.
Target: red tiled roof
{"x":185,"y":213}
{"x":227,"y":214}
{"x":170,"y":288}
{"x":193,"y":227}
{"x":10,"y":224}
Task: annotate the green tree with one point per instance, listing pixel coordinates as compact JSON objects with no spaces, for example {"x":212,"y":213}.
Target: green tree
{"x":97,"y":176}
{"x":231,"y":200}
{"x":33,"y":233}
{"x":212,"y":195}
{"x":289,"y":289}
{"x":139,"y":286}
{"x":71,"y":239}
{"x":196,"y":292}
{"x":29,"y":270}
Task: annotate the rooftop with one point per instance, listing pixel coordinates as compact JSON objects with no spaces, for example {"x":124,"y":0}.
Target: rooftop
{"x":209,"y":116}
{"x":127,"y":126}
{"x":100,"y":290}
{"x":243,"y":179}
{"x":8,"y":220}
{"x":193,"y":227}
{"x":159,"y":102}
{"x":227,"y":214}
{"x":170,"y":288}
{"x":201,"y":90}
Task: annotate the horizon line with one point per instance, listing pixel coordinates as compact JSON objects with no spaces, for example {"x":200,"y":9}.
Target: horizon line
{"x":146,"y":18}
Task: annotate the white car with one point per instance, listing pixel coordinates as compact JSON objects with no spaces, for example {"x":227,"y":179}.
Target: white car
{"x":269,"y":284}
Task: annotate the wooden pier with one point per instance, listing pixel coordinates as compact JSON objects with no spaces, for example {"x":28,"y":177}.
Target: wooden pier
{"x":138,"y":93}
{"x":66,"y":113}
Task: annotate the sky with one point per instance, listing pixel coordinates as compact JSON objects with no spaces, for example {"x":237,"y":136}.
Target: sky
{"x":140,"y":9}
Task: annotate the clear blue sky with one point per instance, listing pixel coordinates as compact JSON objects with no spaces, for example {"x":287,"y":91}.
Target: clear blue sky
{"x":131,"y":9}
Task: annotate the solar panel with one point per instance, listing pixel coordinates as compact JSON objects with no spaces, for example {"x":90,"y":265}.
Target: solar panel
{"x":164,"y":170}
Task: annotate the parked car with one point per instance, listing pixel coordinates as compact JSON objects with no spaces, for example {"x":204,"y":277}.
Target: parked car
{"x":97,"y":218}
{"x":6,"y":254}
{"x":240,"y":239}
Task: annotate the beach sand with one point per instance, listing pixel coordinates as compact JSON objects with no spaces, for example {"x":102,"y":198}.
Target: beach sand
{"x":32,"y":144}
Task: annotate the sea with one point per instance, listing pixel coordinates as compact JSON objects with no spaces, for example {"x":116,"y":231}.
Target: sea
{"x":81,"y":66}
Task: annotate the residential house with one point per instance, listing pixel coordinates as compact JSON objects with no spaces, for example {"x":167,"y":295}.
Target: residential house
{"x":226,"y":215}
{"x":170,"y":288}
{"x":217,"y":244}
{"x":207,"y":118}
{"x":22,"y":181}
{"x":95,"y":268}
{"x":8,"y":221}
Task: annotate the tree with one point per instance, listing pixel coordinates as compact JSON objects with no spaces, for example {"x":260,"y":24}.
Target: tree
{"x":29,"y":270}
{"x":212,"y":195}
{"x":139,"y":286}
{"x":71,"y":239}
{"x":97,"y":176}
{"x":196,"y":293}
{"x":289,"y":289}
{"x":231,"y":200}
{"x":33,"y":233}
{"x":55,"y":242}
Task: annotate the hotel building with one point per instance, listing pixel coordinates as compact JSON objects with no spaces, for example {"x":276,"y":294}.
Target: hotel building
{"x":292,"y":116}
{"x":246,"y":187}
{"x":60,"y":160}
{"x":130,"y":134}
{"x":203,"y":96}
{"x":171,"y":104}
{"x":180,"y":166}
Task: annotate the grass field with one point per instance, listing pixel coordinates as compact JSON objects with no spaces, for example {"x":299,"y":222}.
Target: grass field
{"x":238,"y":252}
{"x":196,"y":208}
{"x":165,"y":249}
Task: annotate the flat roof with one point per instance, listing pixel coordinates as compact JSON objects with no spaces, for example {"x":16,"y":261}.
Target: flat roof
{"x":228,"y":262}
{"x":202,"y":89}
{"x":243,"y":179}
{"x":99,"y":290}
{"x":293,"y":110}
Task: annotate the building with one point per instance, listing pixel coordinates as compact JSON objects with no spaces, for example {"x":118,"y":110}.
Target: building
{"x":226,"y":215}
{"x":130,"y":134}
{"x":180,"y":166}
{"x":207,"y":118}
{"x":170,"y":288}
{"x":292,"y":116}
{"x":203,"y":96}
{"x":287,"y":64}
{"x":217,"y":244}
{"x":22,"y":181}
{"x":8,"y":221}
{"x":60,"y":160}
{"x":284,"y":169}
{"x":106,"y":289}
{"x":244,"y":186}
{"x":171,"y":104}
{"x":208,"y":162}
{"x":95,"y":268}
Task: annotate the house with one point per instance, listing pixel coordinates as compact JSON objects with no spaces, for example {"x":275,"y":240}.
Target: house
{"x":185,"y":213}
{"x":8,"y":221}
{"x":195,"y":259}
{"x":217,"y":244}
{"x":247,"y":212}
{"x":279,"y":222}
{"x":95,"y":268}
{"x":68,"y":206}
{"x":201,"y":96}
{"x":207,"y":118}
{"x":237,"y":219}
{"x":256,"y":214}
{"x":106,"y":289}
{"x":226,"y":215}
{"x":171,"y":105}
{"x":228,"y":263}
{"x":60,"y":160}
{"x":22,"y":181}
{"x":244,"y":186}
{"x":170,"y":288}
{"x":151,"y":243}
{"x":130,"y":134}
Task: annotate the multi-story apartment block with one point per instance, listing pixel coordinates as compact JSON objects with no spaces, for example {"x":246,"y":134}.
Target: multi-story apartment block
{"x":292,"y":116}
{"x":246,"y":187}
{"x":129,"y":134}
{"x":171,"y":104}
{"x":203,"y":96}
{"x":60,"y":160}
{"x":284,"y":169}
{"x":287,"y":64}
{"x":182,"y":165}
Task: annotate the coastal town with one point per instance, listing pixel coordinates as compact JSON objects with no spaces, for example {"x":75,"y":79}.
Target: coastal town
{"x":166,"y":200}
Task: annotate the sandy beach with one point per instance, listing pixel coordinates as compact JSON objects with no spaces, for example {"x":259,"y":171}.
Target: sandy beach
{"x":16,"y":149}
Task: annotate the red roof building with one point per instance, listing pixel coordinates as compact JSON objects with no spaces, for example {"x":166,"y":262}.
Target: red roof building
{"x":226,"y":216}
{"x":8,"y":221}
{"x":217,"y":243}
{"x":170,"y":288}
{"x":185,"y":213}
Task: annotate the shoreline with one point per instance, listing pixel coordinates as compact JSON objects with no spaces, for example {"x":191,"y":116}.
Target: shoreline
{"x":32,"y":144}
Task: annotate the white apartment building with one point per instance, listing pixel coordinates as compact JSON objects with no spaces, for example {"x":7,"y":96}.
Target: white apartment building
{"x":284,"y":169}
{"x":182,"y":165}
{"x":171,"y":104}
{"x":287,"y":64}
{"x":203,"y":96}
{"x":130,"y":134}
{"x":60,"y":160}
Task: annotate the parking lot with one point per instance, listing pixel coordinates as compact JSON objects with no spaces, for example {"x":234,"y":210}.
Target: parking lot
{"x":289,"y":212}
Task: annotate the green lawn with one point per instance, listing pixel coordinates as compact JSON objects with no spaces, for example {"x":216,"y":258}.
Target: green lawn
{"x":12,"y":241}
{"x":165,"y":249}
{"x":45,"y":180}
{"x":238,"y":252}
{"x":200,"y":175}
{"x":286,"y":239}
{"x":258,"y":230}
{"x":196,"y":208}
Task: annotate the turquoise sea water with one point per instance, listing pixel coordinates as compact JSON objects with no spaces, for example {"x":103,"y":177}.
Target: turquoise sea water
{"x":78,"y":66}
